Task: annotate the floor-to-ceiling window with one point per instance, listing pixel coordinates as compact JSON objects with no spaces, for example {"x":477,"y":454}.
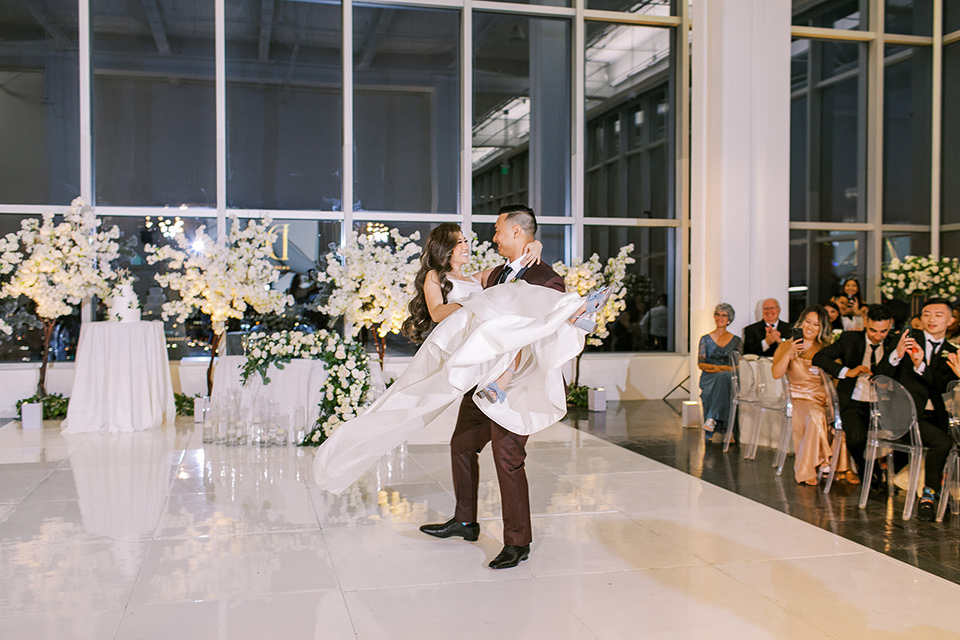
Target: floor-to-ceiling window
{"x":342,"y":117}
{"x":866,"y":123}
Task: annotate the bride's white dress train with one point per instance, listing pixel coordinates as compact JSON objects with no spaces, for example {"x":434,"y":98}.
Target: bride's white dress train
{"x":471,"y":348}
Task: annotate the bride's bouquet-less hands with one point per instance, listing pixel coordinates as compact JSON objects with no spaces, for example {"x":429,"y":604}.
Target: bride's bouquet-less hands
{"x":221,"y":280}
{"x":372,"y":283}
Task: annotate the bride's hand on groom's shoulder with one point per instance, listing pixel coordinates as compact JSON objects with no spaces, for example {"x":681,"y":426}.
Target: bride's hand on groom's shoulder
{"x":531,"y":253}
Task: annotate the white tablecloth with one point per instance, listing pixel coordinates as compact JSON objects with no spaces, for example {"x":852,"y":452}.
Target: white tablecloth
{"x":299,"y":383}
{"x":122,"y":380}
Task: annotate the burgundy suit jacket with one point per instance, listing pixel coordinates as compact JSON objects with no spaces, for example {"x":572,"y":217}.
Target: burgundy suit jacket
{"x":540,"y":274}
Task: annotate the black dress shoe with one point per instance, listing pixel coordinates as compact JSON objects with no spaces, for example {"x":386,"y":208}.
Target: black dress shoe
{"x":469,"y":532}
{"x":927,"y":510}
{"x":511,"y":556}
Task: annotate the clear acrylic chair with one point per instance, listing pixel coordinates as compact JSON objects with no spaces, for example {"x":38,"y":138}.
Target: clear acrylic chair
{"x":772,"y":395}
{"x":893,"y":415}
{"x":833,"y":417}
{"x":786,"y":430}
{"x":743,"y":392}
{"x":951,"y":471}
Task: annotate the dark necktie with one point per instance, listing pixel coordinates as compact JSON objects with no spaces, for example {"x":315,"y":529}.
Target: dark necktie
{"x":504,"y":275}
{"x":873,"y":357}
{"x":934,"y":347}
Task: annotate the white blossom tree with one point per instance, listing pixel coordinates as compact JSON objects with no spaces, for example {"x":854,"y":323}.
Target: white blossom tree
{"x":220,"y":279}
{"x":58,"y":265}
{"x":372,"y":284}
{"x":584,"y":277}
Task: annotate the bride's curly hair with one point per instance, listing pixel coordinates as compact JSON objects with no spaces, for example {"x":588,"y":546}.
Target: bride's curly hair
{"x":436,"y":254}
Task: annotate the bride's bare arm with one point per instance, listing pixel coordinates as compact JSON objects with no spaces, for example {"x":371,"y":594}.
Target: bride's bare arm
{"x":434,"y":297}
{"x":531,"y":252}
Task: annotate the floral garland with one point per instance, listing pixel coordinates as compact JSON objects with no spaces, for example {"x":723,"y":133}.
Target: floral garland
{"x":920,"y":275}
{"x":344,"y":392}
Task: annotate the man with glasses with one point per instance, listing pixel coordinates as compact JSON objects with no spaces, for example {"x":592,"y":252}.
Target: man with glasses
{"x":762,"y":338}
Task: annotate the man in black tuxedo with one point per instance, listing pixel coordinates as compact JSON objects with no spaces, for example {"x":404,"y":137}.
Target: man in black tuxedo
{"x":923,"y":369}
{"x":762,"y":338}
{"x":853,"y":358}
{"x":516,"y":226}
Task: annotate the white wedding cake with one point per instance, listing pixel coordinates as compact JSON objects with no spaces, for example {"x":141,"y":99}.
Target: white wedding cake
{"x":124,"y":305}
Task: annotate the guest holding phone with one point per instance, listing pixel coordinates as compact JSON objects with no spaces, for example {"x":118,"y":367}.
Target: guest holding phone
{"x":811,"y":440}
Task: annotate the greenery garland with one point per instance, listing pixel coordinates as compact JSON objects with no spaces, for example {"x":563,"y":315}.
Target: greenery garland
{"x":344,"y":392}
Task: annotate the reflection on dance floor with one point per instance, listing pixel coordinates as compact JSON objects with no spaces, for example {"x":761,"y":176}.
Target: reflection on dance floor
{"x":155,"y":535}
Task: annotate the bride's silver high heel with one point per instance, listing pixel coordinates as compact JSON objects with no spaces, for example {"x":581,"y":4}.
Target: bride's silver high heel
{"x":492,"y":392}
{"x":594,"y":302}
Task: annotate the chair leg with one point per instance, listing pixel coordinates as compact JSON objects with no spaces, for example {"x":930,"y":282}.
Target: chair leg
{"x":955,"y":491}
{"x":728,"y":436}
{"x":913,"y":484}
{"x":838,"y":440}
{"x":948,"y":484}
{"x":783,"y":447}
{"x":867,"y":475}
{"x":891,"y":475}
{"x":751,"y":452}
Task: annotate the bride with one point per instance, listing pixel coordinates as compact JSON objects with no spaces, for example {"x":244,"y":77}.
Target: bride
{"x":508,"y":341}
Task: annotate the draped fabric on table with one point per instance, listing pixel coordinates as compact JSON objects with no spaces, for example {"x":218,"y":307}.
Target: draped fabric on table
{"x":470,"y":348}
{"x":122,"y":380}
{"x":298,"y":384}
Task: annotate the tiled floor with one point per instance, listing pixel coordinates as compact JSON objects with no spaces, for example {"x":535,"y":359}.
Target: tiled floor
{"x":154,"y":535}
{"x":653,"y":428}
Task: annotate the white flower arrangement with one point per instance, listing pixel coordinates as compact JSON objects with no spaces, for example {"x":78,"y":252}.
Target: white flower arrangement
{"x":372,"y":283}
{"x":344,"y":392}
{"x":58,"y":265}
{"x":584,"y":277}
{"x":222,"y":280}
{"x":920,"y":275}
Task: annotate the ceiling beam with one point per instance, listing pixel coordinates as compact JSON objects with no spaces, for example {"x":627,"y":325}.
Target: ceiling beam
{"x":152,"y":12}
{"x":38,"y":14}
{"x":377,"y":34}
{"x":266,"y":28}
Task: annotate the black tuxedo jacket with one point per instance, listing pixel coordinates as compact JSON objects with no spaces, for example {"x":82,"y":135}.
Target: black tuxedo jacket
{"x":932,"y":384}
{"x":540,"y":274}
{"x":756,"y":333}
{"x":847,"y":351}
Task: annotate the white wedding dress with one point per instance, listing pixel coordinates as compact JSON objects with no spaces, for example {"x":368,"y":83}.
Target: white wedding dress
{"x":471,"y":348}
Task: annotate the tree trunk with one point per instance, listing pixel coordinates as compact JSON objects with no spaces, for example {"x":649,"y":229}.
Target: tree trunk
{"x":213,"y":355}
{"x":48,"y":326}
{"x":381,"y":343}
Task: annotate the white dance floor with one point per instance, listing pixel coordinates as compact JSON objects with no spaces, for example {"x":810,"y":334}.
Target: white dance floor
{"x":154,"y":535}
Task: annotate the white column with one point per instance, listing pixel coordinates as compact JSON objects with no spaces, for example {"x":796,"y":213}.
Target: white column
{"x":740,"y":160}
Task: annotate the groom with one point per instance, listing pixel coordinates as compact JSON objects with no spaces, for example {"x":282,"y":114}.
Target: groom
{"x":516,"y":226}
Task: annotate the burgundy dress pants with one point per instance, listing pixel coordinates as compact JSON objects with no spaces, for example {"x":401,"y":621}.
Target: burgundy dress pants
{"x":473,"y":431}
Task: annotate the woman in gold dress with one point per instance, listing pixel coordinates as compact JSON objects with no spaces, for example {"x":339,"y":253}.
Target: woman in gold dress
{"x":811,"y":436}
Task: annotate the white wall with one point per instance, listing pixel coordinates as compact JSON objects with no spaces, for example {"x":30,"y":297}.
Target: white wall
{"x":624,"y":376}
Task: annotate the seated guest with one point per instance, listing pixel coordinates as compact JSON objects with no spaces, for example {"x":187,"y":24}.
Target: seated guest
{"x":811,"y":440}
{"x":713,"y":358}
{"x":853,"y":358}
{"x":851,"y":289}
{"x":923,"y":367}
{"x":833,"y":314}
{"x":916,"y":322}
{"x":762,"y":338}
{"x":953,"y":329}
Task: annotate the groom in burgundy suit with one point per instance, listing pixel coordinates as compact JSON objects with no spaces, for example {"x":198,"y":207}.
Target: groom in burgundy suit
{"x":516,"y":226}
